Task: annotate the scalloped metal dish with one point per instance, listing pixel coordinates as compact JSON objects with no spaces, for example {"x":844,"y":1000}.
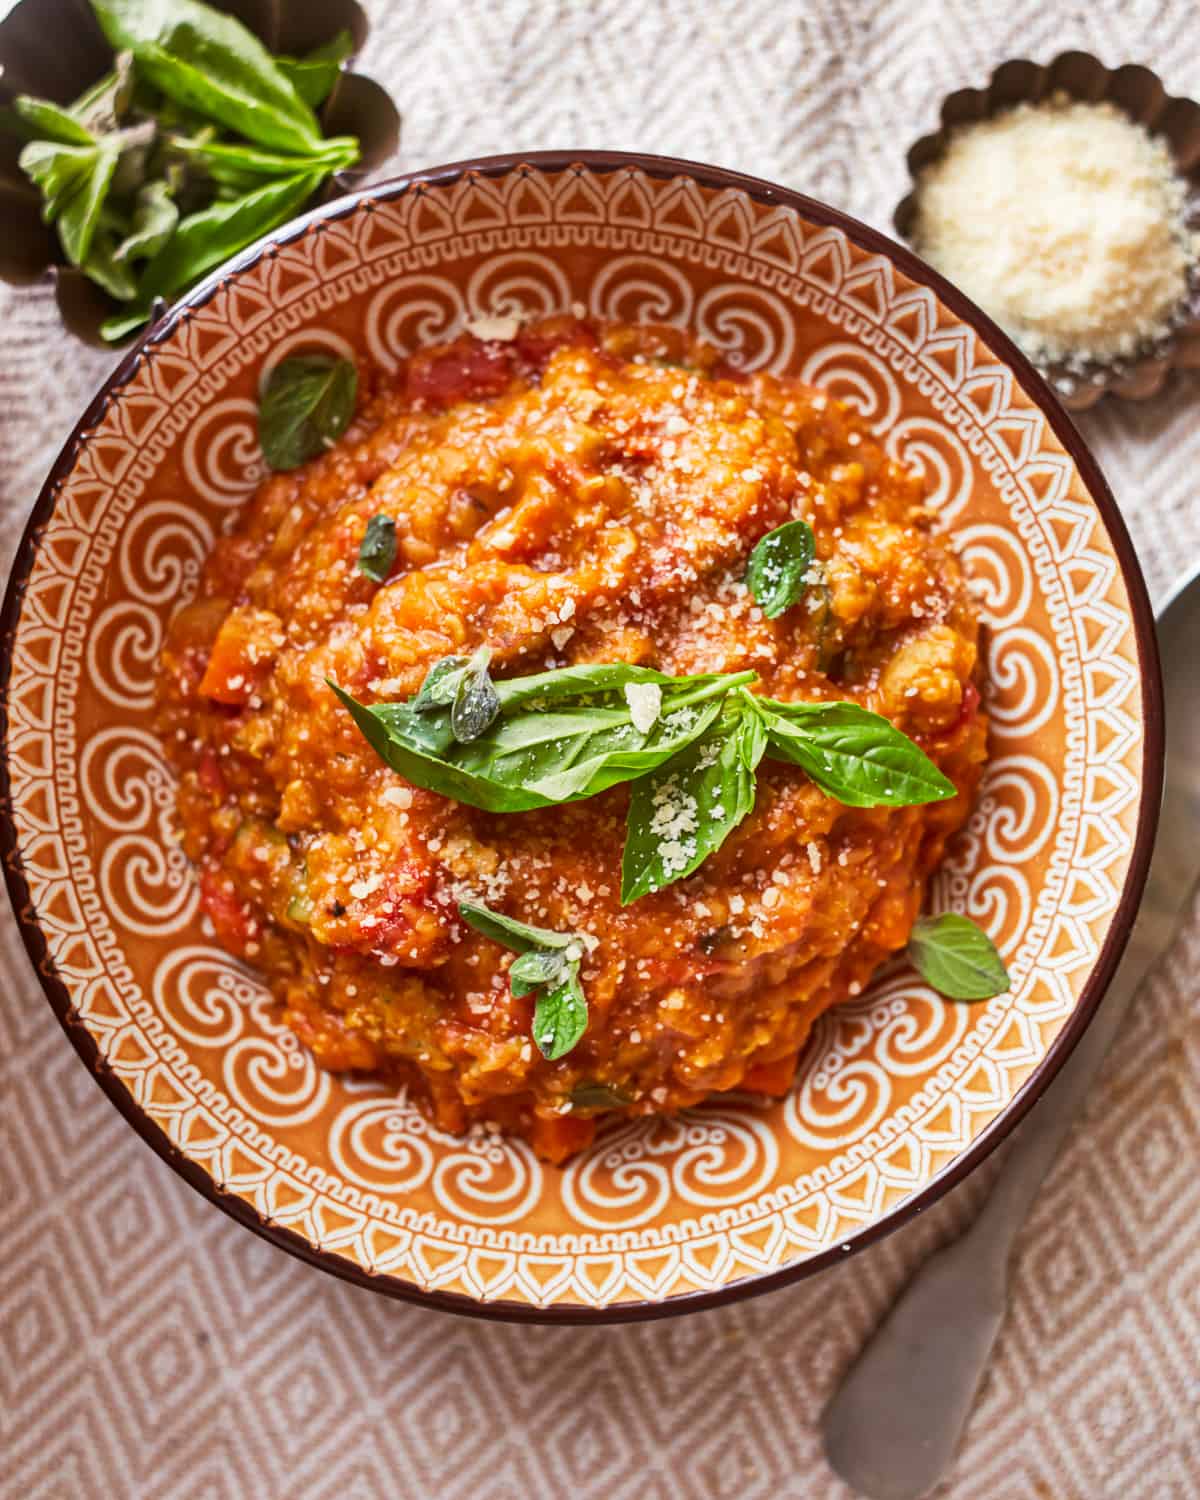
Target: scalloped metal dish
{"x":1142,"y":96}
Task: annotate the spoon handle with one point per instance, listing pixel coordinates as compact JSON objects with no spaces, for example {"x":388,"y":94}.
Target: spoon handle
{"x":892,"y":1428}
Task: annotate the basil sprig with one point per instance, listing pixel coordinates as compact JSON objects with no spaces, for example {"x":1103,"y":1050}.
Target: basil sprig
{"x":197,"y":142}
{"x":686,"y":809}
{"x":211,"y":63}
{"x":779,"y":567}
{"x":558,"y":736}
{"x":307,"y":405}
{"x":548,"y":969}
{"x":377,"y":550}
{"x":564,"y":735}
{"x":957,"y":957}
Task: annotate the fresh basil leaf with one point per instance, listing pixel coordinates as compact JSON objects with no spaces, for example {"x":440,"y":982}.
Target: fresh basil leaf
{"x":104,"y":105}
{"x":565,"y":756}
{"x":520,"y":937}
{"x":599,"y":1096}
{"x":957,"y":958}
{"x":779,"y":567}
{"x":686,"y":809}
{"x":155,"y":216}
{"x":135,"y":143}
{"x":853,"y":755}
{"x":475,"y":702}
{"x":440,"y":685}
{"x":47,"y":121}
{"x":210,"y":62}
{"x":314,"y":75}
{"x":74,"y":182}
{"x":548,"y":967}
{"x":377,"y":550}
{"x":606,"y":682}
{"x":102,"y":266}
{"x":244,"y":168}
{"x":560,"y":1018}
{"x":537,"y":757}
{"x":306,"y":407}
{"x":419,"y":746}
{"x":204,"y":239}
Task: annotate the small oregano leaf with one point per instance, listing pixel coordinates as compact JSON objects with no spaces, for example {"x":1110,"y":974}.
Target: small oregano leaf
{"x":377,"y":550}
{"x":779,"y":567}
{"x":307,"y":405}
{"x":476,"y":702}
{"x":548,"y":969}
{"x":957,"y":958}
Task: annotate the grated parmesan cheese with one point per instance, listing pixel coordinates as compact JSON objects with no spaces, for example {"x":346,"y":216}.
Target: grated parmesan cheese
{"x":645,"y":704}
{"x":1065,"y":221}
{"x":498,"y":329}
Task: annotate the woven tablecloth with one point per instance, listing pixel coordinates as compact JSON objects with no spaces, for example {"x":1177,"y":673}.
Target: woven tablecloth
{"x":149,"y":1347}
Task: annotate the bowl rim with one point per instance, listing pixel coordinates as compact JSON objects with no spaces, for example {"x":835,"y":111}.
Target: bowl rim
{"x":997,"y":1130}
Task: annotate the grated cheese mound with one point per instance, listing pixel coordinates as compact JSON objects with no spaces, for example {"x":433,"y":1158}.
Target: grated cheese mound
{"x":1065,"y":221}
{"x":645,"y":704}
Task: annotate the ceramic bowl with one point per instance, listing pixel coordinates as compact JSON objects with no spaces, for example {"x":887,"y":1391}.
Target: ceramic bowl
{"x":1141,"y":95}
{"x":900,"y":1092}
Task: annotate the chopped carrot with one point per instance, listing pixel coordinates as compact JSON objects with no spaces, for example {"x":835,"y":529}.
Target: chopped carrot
{"x":241,"y":656}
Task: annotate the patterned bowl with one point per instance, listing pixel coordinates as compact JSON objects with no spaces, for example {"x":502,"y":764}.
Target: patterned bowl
{"x":900,"y":1093}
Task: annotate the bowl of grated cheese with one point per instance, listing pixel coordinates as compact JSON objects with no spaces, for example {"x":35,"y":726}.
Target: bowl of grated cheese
{"x":1091,"y":262}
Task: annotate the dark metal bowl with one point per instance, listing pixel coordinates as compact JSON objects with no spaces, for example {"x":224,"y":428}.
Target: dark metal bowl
{"x":1141,"y":95}
{"x":55,"y":49}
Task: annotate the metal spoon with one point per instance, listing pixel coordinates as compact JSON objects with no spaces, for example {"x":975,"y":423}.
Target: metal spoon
{"x":892,"y":1429}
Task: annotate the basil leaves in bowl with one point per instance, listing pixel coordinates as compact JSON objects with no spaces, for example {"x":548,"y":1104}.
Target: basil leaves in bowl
{"x":171,"y":139}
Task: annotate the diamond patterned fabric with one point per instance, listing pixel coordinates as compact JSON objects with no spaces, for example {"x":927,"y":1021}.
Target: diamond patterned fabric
{"x":150,"y":1346}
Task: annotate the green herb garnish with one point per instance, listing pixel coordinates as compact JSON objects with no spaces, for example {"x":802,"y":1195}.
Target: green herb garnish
{"x":314,"y":75}
{"x":195,"y":144}
{"x":853,"y":755}
{"x":547,"y":968}
{"x":377,"y":550}
{"x":599,"y":1096}
{"x":306,"y":407}
{"x":212,"y":64}
{"x":565,"y":735}
{"x":957,"y":958}
{"x":685,"y":810}
{"x":559,"y":736}
{"x":476,"y":703}
{"x":779,"y":567}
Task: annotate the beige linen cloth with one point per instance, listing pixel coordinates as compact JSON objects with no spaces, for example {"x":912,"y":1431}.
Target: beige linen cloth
{"x":149,"y":1347}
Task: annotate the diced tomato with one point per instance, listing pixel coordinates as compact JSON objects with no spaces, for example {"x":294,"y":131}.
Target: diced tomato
{"x":534,"y":346}
{"x":774,"y":1078}
{"x":557,"y":1138}
{"x":466,"y":370}
{"x":230,"y":564}
{"x":208,"y":773}
{"x":233,"y":918}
